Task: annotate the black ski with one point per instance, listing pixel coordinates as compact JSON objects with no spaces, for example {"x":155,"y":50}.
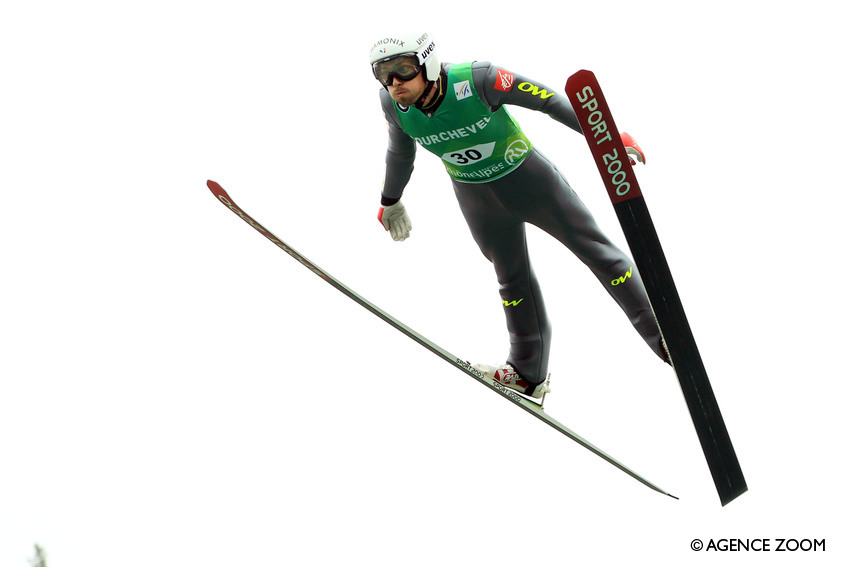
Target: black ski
{"x":609,"y":153}
{"x":523,"y":402}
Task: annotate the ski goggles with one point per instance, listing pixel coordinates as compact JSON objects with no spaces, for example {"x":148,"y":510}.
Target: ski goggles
{"x":405,"y":67}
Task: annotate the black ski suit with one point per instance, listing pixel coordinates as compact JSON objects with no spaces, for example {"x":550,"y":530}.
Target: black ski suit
{"x":535,"y":192}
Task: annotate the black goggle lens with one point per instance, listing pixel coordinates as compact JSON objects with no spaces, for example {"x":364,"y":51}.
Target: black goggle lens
{"x":405,"y":68}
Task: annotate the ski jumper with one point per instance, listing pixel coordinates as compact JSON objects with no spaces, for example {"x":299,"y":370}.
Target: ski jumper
{"x":502,"y":182}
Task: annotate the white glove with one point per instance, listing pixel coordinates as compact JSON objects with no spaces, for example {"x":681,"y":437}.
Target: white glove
{"x":394,"y":219}
{"x":634,"y":151}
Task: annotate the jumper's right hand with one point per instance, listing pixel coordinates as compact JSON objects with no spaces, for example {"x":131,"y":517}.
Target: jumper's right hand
{"x":395,"y":220}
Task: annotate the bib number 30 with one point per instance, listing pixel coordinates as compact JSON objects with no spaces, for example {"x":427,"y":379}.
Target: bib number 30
{"x":469,"y":155}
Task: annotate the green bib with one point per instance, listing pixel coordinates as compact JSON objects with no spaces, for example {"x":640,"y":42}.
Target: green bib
{"x":475,"y":144}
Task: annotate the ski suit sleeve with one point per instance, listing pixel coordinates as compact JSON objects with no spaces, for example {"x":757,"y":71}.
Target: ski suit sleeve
{"x":497,"y":86}
{"x":401,"y":153}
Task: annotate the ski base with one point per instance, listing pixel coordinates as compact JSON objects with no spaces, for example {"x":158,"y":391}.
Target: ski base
{"x":611,"y":159}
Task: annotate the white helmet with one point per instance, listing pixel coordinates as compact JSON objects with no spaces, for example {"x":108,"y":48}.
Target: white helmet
{"x":420,"y":45}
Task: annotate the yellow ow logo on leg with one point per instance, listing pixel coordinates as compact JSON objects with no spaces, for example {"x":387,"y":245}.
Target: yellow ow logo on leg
{"x":622,"y":279}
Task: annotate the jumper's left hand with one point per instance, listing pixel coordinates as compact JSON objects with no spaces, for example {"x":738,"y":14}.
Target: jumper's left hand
{"x":634,"y":151}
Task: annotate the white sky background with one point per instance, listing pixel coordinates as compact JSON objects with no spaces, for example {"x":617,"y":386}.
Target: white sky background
{"x":174,"y":390}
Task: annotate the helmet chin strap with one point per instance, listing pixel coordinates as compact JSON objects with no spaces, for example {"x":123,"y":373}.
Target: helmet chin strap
{"x":428,"y":89}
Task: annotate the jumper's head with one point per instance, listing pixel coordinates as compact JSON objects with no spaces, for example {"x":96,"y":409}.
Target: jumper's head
{"x":404,"y":56}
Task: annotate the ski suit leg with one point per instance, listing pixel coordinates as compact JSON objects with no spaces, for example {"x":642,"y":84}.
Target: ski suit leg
{"x":539,"y":194}
{"x":501,"y":237}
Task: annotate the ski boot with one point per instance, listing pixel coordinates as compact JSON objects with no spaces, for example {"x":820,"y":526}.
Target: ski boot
{"x":507,"y":376}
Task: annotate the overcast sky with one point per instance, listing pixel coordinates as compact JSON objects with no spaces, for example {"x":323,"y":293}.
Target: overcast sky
{"x":174,"y":390}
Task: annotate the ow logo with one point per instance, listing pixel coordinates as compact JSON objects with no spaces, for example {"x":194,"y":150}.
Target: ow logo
{"x":513,"y":303}
{"x":622,"y":279}
{"x":534,"y":90}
